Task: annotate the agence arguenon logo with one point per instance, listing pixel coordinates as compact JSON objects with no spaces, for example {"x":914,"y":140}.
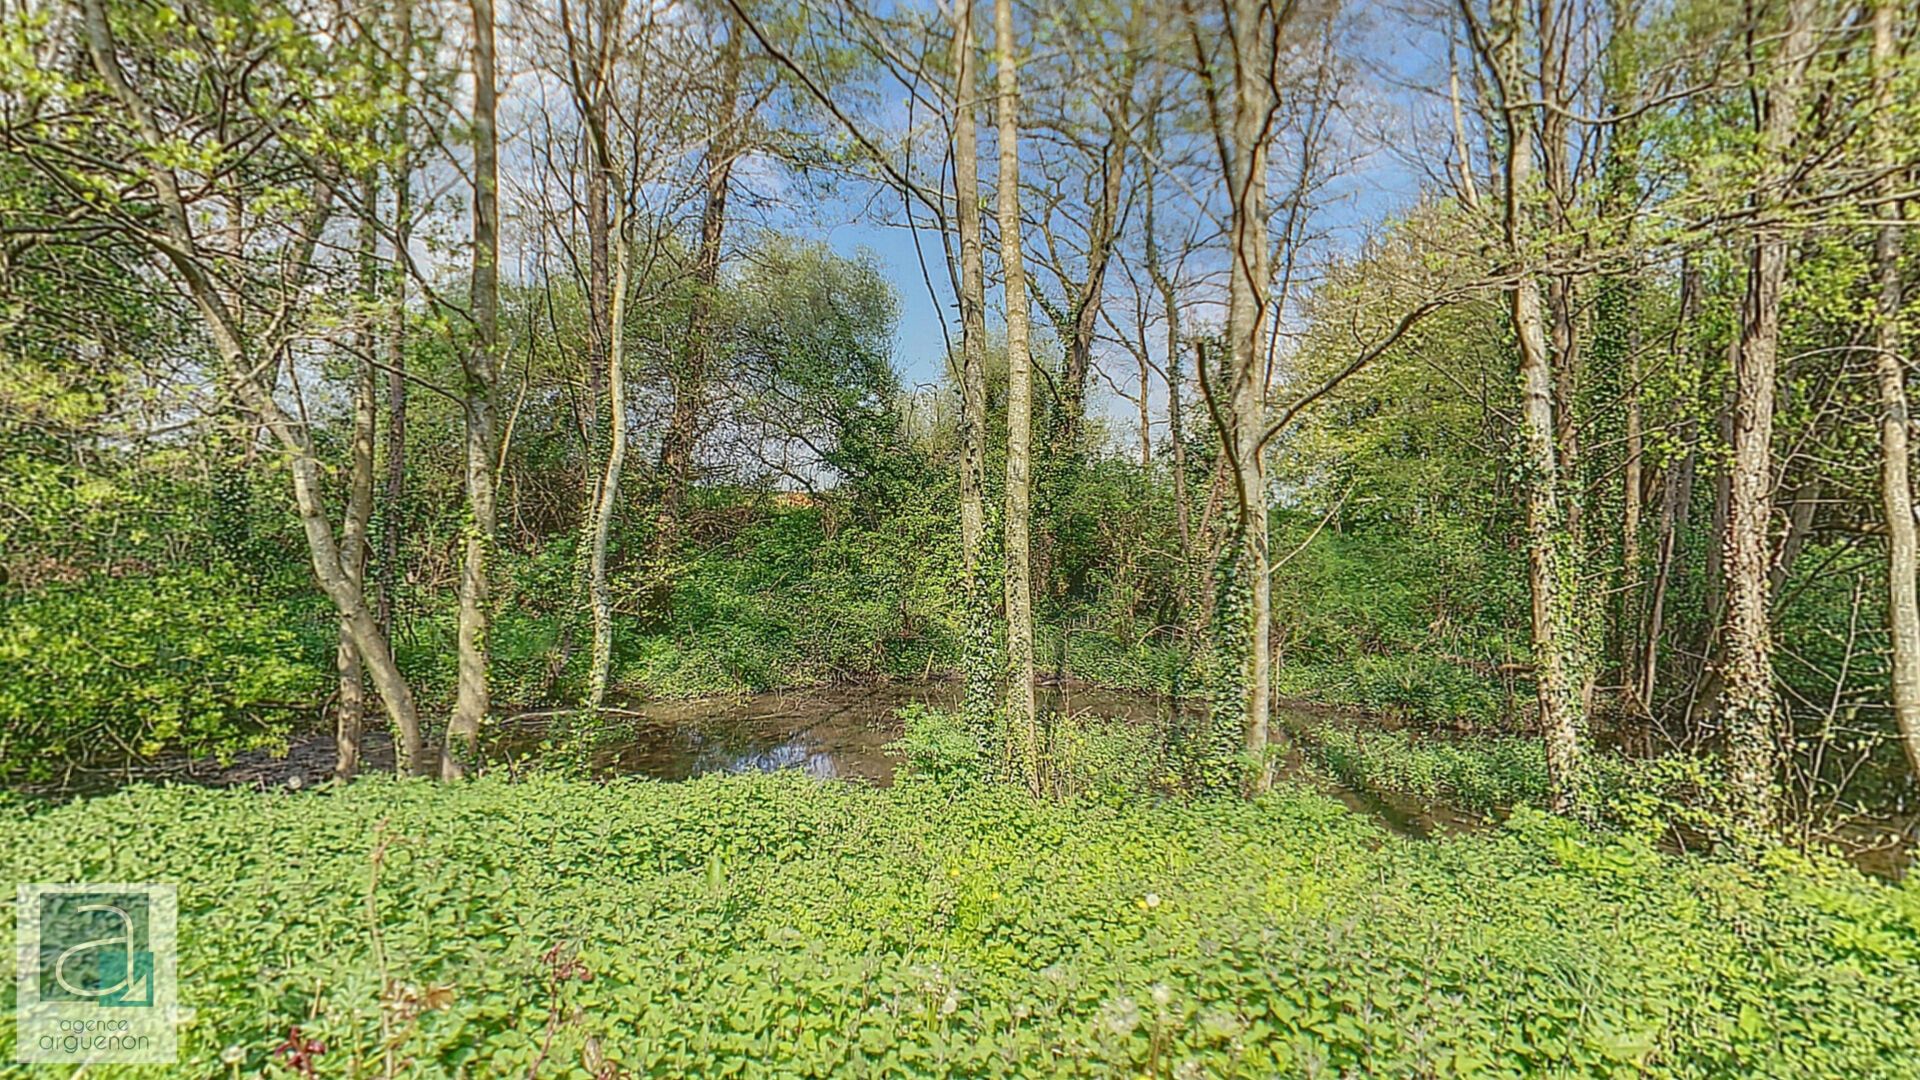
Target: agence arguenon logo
{"x":96,"y":973}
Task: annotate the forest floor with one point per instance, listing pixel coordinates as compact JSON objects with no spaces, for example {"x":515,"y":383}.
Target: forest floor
{"x":779,"y":924}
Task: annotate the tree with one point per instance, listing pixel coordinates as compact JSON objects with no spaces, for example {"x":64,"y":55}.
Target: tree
{"x":1250,"y":39}
{"x":979,"y":671}
{"x":690,"y":375}
{"x":1747,"y":705}
{"x":351,"y":709}
{"x":590,"y":73}
{"x":1019,"y":586}
{"x":251,"y":320}
{"x":479,"y":370}
{"x":1896,"y":487}
{"x":1550,"y":577}
{"x":1082,"y":230}
{"x":401,"y":181}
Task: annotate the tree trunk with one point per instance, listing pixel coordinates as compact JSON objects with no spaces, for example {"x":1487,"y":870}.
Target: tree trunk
{"x":608,"y":486}
{"x":606,"y":430}
{"x":1896,"y":489}
{"x":1246,"y":315}
{"x":408,"y":745}
{"x":1800,"y":513}
{"x":1747,"y":705}
{"x":1557,"y":174}
{"x":978,"y":647}
{"x":1566,"y":357}
{"x":351,"y":714}
{"x":253,"y":388}
{"x":678,"y":444}
{"x":1676,"y":496}
{"x":1170,"y":306}
{"x":1019,"y":584}
{"x":1554,"y":678}
{"x":1631,"y":480}
{"x":1102,"y":232}
{"x":472,"y":700}
{"x":591,"y":71}
{"x":1703,"y":700}
{"x":392,"y":511}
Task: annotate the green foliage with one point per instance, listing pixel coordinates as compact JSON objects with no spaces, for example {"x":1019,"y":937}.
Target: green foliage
{"x":781,"y":925}
{"x":1482,"y":774}
{"x":939,"y":748}
{"x":1149,"y":665}
{"x":804,"y":596}
{"x":1083,"y":756}
{"x":1672,"y":795}
{"x":1108,"y":760}
{"x":111,"y":668}
{"x":1412,"y":621}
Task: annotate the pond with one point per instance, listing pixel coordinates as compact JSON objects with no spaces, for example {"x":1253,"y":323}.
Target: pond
{"x":832,"y":732}
{"x":838,"y":732}
{"x":843,"y":731}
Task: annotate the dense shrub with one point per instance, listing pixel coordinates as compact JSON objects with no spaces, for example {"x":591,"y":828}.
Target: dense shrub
{"x":1152,"y":665}
{"x":1647,"y":797}
{"x":1413,"y":621}
{"x":773,"y":925}
{"x":788,"y":597}
{"x":109,"y":669}
{"x":936,"y":747}
{"x":1083,"y":756}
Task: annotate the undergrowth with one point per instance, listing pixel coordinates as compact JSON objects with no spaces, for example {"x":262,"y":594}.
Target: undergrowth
{"x":1484,"y":774}
{"x":763,"y":925}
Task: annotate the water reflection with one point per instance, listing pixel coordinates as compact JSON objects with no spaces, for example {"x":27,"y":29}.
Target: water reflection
{"x":838,"y":732}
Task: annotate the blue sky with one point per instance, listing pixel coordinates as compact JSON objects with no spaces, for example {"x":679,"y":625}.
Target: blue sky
{"x":1389,"y":51}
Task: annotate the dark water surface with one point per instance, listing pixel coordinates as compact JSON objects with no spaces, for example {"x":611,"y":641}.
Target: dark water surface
{"x":833,"y":732}
{"x":842,"y":732}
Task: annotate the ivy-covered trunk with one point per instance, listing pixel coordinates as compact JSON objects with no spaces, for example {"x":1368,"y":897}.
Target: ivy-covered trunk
{"x":1548,"y":575}
{"x":1019,"y":584}
{"x":980,"y":671}
{"x":1747,"y":706}
{"x":472,"y":699}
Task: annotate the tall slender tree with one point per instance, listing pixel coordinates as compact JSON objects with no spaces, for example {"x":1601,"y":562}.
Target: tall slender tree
{"x":394,"y":494}
{"x":1896,"y":486}
{"x":590,"y":70}
{"x":1747,"y":704}
{"x":609,"y":484}
{"x":1243,"y":136}
{"x":350,"y":710}
{"x":980,"y":673}
{"x":1019,"y":585}
{"x":479,"y":365}
{"x":1503,"y":43}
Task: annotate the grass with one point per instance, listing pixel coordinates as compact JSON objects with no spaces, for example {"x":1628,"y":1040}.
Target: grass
{"x":773,"y":925}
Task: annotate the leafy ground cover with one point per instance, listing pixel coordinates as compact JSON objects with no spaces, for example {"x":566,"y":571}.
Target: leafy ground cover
{"x":1487,"y":773}
{"x":774,"y":925}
